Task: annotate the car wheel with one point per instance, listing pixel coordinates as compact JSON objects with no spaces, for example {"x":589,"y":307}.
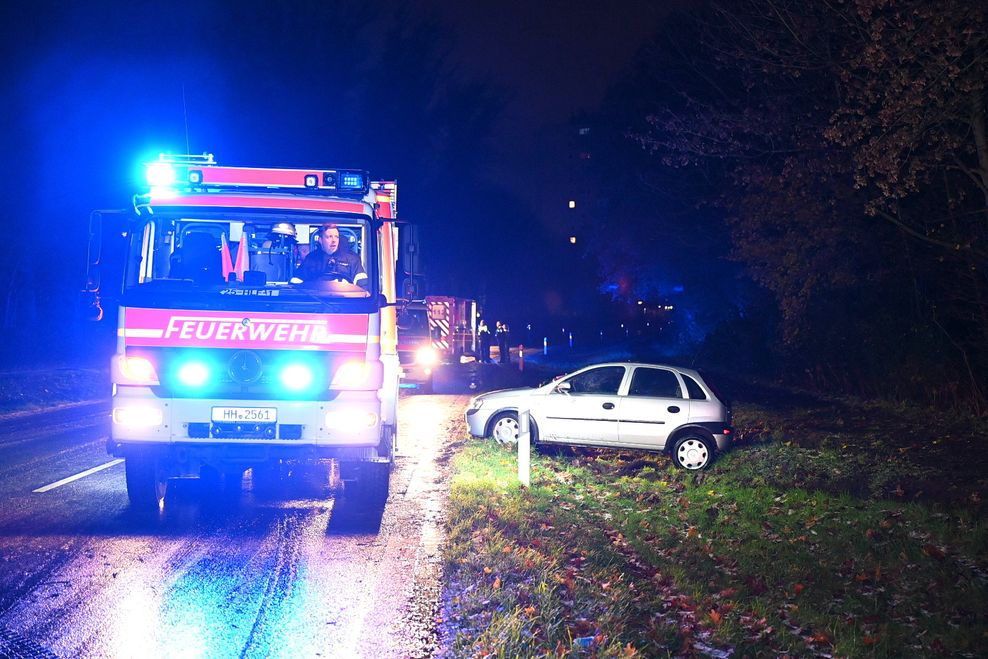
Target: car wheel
{"x":692,"y":452}
{"x":504,"y":430}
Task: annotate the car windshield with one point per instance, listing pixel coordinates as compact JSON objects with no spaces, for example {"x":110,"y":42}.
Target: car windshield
{"x":220,"y":252}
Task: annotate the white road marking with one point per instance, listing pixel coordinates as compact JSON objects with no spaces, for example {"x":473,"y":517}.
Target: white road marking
{"x":82,"y":474}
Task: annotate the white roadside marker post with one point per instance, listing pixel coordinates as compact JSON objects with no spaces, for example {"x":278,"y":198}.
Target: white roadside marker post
{"x":524,"y":448}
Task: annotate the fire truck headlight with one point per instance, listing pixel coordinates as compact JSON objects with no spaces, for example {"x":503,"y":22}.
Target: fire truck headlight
{"x":351,"y":374}
{"x":193,"y":374}
{"x":134,"y":370}
{"x":137,"y":416}
{"x":160,"y":175}
{"x":296,"y":377}
{"x":350,"y":420}
{"x":427,"y":356}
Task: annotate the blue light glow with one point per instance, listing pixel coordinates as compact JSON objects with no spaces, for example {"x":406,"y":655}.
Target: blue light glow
{"x":296,"y":377}
{"x":160,"y":175}
{"x":193,"y":374}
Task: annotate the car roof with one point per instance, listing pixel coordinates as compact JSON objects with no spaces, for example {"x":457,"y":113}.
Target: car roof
{"x":687,"y":371}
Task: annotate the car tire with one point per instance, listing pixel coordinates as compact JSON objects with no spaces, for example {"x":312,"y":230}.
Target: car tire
{"x":692,"y":452}
{"x":505,"y":427}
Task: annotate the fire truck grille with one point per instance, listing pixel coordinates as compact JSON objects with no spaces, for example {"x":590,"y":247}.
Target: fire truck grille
{"x":242,"y":374}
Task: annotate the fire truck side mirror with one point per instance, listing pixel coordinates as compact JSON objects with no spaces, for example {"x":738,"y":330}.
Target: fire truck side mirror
{"x":94,"y":250}
{"x":91,"y":306}
{"x":100,"y":253}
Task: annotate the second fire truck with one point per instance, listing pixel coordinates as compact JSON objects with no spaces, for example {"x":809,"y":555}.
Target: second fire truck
{"x":435,"y":333}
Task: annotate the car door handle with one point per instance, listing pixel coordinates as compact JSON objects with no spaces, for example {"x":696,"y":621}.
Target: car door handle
{"x":673,"y":409}
{"x":608,"y":406}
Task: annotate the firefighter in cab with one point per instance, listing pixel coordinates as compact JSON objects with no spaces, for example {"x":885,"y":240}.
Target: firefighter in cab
{"x":333,"y":260}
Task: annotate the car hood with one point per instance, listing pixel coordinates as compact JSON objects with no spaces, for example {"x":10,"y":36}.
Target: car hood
{"x":503,"y":394}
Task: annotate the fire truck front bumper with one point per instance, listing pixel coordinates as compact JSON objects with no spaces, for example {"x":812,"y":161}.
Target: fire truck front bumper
{"x":352,"y":420}
{"x":416,"y":375}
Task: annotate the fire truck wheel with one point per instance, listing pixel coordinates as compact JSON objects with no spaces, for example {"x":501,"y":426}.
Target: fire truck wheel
{"x":371,"y":485}
{"x":145,"y":483}
{"x":386,"y":448}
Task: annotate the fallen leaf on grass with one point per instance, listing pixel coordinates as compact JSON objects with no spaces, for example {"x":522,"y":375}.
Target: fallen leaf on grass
{"x":715,"y":616}
{"x":934,"y":552}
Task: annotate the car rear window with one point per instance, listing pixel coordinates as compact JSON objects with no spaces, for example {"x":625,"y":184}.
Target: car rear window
{"x":656,"y":382}
{"x":693,"y":387}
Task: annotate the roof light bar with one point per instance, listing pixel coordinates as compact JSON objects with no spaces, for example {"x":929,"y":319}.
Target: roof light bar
{"x":177,"y":171}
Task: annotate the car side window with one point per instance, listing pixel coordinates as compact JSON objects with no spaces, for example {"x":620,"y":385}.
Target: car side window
{"x":603,"y":380}
{"x":696,"y":392}
{"x":655,"y":382}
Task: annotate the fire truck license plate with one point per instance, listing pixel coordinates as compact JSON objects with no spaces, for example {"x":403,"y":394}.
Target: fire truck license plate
{"x":250,"y":414}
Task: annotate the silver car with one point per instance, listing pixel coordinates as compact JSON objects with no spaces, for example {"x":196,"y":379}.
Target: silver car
{"x":616,"y":405}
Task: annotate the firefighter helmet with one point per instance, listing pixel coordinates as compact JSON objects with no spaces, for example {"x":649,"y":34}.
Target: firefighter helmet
{"x":284,"y":229}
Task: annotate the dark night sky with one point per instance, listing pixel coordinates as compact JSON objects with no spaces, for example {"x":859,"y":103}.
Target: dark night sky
{"x":465,"y":104}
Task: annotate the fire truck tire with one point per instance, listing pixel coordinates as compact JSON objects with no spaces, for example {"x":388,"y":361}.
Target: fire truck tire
{"x":146,"y":484}
{"x":371,"y":485}
{"x":386,"y":448}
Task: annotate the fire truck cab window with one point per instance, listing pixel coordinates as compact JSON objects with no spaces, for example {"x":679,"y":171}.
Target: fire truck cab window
{"x":205,"y":251}
{"x":198,"y":258}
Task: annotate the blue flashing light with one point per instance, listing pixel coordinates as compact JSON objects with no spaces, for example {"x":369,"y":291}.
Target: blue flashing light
{"x":296,"y":377}
{"x":160,"y":175}
{"x":193,"y":374}
{"x":351,"y":181}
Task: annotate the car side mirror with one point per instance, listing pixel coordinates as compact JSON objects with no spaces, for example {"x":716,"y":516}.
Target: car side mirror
{"x":563,"y":388}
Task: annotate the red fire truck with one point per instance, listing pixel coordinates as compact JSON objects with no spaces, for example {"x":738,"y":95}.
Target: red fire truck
{"x":228,"y":360}
{"x":435,"y":333}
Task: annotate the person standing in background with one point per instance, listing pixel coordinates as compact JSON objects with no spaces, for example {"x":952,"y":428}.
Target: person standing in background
{"x":501,"y":332}
{"x":485,"y":342}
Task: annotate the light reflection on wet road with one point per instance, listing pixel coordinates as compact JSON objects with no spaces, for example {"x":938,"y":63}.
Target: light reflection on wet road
{"x":291,"y":574}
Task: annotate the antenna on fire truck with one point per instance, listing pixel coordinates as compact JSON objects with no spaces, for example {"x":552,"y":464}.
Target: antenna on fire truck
{"x":185,"y":111}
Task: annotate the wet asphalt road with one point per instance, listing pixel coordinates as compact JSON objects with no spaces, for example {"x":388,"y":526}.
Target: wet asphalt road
{"x":295,"y":573}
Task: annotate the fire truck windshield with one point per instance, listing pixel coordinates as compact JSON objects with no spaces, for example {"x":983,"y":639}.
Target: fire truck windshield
{"x":242,"y":254}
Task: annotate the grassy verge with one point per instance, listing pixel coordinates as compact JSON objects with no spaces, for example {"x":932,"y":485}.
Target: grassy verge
{"x":804,"y":541}
{"x":38,"y":389}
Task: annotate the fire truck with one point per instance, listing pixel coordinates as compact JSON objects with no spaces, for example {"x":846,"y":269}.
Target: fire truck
{"x":227,"y":359}
{"x":433,"y":334}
